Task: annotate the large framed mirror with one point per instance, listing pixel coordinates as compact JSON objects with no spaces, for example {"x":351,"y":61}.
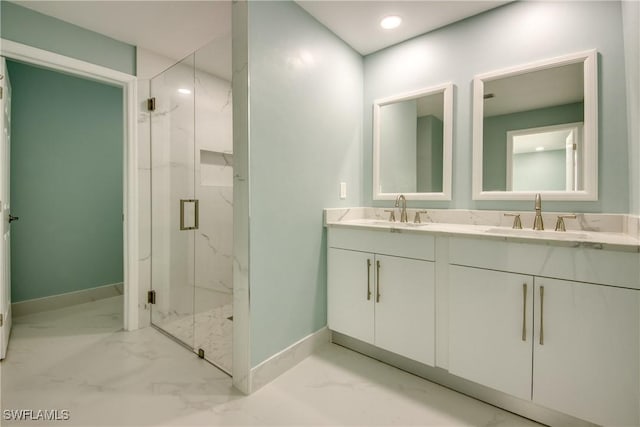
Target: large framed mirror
{"x":412,"y":144}
{"x":535,"y":130}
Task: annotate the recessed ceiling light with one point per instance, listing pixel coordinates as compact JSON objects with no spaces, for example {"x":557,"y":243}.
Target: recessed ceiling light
{"x":184,"y":91}
{"x":539,"y":148}
{"x":391,"y":22}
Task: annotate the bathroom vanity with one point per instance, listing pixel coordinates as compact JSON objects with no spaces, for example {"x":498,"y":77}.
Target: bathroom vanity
{"x":549,"y":318}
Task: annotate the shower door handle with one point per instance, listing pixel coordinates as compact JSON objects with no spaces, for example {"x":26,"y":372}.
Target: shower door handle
{"x":196,"y":217}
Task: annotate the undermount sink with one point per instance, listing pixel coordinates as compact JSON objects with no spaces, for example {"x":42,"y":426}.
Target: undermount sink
{"x":548,"y":234}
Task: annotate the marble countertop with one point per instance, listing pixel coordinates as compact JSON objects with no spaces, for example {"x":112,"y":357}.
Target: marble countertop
{"x":598,"y":231}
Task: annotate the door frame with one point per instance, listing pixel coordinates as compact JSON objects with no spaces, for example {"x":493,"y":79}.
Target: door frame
{"x":128,"y":83}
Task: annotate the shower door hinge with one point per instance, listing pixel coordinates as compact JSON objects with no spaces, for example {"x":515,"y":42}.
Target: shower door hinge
{"x":201,"y":353}
{"x":151,"y":297}
{"x":151,"y":104}
{"x":1,"y":92}
{"x":1,"y":320}
{"x":575,"y":146}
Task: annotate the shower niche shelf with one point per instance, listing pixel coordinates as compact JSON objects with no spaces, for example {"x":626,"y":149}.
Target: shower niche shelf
{"x":216,"y":168}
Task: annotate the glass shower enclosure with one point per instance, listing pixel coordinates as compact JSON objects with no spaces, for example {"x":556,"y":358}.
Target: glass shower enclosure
{"x":192,"y":205}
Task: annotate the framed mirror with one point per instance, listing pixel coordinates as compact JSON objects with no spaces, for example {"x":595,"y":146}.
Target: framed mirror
{"x":535,"y":130}
{"x":412,"y":144}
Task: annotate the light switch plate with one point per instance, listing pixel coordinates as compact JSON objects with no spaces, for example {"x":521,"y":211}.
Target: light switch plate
{"x":343,"y":190}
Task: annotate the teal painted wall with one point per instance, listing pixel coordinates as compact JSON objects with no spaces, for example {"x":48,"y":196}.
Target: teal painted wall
{"x":631,"y":32}
{"x":495,"y":130}
{"x":398,"y":140}
{"x":28,"y":27}
{"x":514,"y":34}
{"x":66,"y":183}
{"x":305,"y":138}
{"x":429,"y":154}
{"x":539,"y":171}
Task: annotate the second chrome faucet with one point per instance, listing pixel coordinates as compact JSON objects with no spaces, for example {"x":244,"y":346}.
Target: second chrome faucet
{"x":537,"y":221}
{"x":403,"y":211}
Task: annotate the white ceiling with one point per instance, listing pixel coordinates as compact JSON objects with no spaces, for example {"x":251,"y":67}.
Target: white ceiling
{"x":549,"y":140}
{"x":532,"y":90}
{"x":172,"y":28}
{"x":179,"y":27}
{"x":358,"y":22}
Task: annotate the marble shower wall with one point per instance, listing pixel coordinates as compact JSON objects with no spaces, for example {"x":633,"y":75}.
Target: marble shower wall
{"x":214,"y":184}
{"x":203,"y":171}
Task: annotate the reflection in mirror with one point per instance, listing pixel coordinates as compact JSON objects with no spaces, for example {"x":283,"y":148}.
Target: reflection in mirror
{"x":535,"y":130}
{"x":545,"y":158}
{"x":412,"y":145}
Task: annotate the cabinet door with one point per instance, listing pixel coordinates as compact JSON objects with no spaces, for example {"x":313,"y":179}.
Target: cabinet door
{"x":587,"y":364}
{"x":488,"y":313}
{"x":405,"y":311}
{"x":350,"y":293}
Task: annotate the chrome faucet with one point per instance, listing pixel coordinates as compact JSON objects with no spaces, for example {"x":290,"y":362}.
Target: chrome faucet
{"x":537,"y":222}
{"x":403,"y":212}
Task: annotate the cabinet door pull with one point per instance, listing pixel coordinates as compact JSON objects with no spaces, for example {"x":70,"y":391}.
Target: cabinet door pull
{"x":377,"y":280}
{"x":524,"y":312}
{"x":368,"y":279}
{"x":541,"y":315}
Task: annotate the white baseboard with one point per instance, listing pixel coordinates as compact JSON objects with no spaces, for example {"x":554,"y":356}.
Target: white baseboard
{"x":281,"y":362}
{"x":55,"y":302}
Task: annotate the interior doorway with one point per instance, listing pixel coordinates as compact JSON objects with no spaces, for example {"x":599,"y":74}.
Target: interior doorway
{"x":126,"y":84}
{"x":66,"y":189}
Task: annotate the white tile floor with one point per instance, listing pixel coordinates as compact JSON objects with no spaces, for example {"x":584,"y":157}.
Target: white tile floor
{"x":213,"y":332}
{"x":79,"y":359}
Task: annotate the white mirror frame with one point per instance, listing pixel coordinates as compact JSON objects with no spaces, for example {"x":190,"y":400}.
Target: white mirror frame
{"x":447,"y":148}
{"x":590,"y":130}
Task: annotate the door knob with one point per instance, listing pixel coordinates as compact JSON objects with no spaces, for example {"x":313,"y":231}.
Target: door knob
{"x":13,"y":218}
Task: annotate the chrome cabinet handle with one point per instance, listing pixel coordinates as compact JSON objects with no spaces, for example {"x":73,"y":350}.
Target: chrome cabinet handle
{"x":368,"y":279}
{"x":541,"y":315}
{"x":524,"y":312}
{"x":196,"y":219}
{"x":378,"y":281}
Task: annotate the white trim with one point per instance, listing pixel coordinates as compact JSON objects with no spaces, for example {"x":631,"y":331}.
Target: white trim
{"x":127,"y":82}
{"x":447,"y":149}
{"x":286,"y":359}
{"x":54,"y":302}
{"x":589,"y":136}
{"x":576,"y":126}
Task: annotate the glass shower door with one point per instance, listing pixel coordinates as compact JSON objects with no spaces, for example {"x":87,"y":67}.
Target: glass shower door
{"x":174,"y":210}
{"x":192,"y":204}
{"x":214,"y":188}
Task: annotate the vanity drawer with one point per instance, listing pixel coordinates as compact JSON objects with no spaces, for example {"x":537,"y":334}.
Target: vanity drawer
{"x":616,"y":268}
{"x":402,"y":244}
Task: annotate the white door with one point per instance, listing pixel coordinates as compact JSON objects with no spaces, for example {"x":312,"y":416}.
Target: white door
{"x":405,"y":310}
{"x":570,"y":162}
{"x":490,"y":328}
{"x":587,"y":362}
{"x":350,"y":293}
{"x":5,"y":252}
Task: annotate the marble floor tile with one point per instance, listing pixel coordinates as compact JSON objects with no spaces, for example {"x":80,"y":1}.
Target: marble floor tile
{"x":79,"y":359}
{"x":213,"y":332}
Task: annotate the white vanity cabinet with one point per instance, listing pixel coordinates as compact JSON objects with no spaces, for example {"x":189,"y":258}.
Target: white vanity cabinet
{"x":567,"y":345}
{"x":587,"y":364}
{"x":381,"y":290}
{"x":488,"y":311}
